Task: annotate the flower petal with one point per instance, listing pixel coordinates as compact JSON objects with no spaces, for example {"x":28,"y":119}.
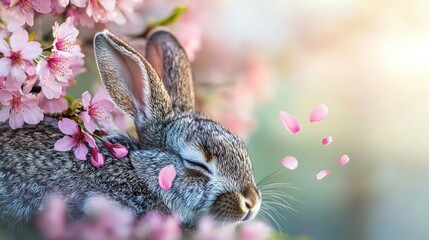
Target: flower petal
{"x":344,"y":160}
{"x":31,"y":51}
{"x":79,"y":3}
{"x":64,"y":144}
{"x":89,"y":125}
{"x":290,"y":122}
{"x":322,"y":174}
{"x":86,"y":100}
{"x":32,"y":115}
{"x":15,"y":119}
{"x":41,"y":6}
{"x":4,"y":113}
{"x":81,"y":151}
{"x":50,"y":88}
{"x":289,"y":162}
{"x":5,"y":65}
{"x":68,"y":126}
{"x":327,"y":140}
{"x":90,"y":140}
{"x":319,"y":113}
{"x":18,"y":40}
{"x":166,"y":176}
{"x":4,"y":47}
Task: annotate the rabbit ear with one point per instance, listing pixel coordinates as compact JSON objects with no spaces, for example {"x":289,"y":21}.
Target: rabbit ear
{"x":130,"y":80}
{"x":171,"y":63}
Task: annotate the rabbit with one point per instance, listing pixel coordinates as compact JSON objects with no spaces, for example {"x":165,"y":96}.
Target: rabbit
{"x":214,"y":171}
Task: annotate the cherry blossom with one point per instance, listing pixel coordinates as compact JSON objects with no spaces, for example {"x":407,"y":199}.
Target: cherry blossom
{"x":57,"y":65}
{"x":19,"y":56}
{"x":99,"y":9}
{"x":75,"y":138}
{"x":254,"y":230}
{"x":79,"y":16}
{"x":95,"y":109}
{"x":65,"y":39}
{"x":19,"y":107}
{"x":24,"y":9}
{"x":157,"y":226}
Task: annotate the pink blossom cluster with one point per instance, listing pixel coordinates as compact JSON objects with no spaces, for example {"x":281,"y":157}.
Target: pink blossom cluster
{"x":16,"y":13}
{"x":112,"y":222}
{"x":33,"y":80}
{"x":80,"y":132}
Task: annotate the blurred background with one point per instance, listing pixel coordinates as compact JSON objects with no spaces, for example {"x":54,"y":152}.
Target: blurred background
{"x":368,"y":61}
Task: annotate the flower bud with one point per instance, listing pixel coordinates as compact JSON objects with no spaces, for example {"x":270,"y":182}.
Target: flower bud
{"x":97,"y":159}
{"x":117,"y":150}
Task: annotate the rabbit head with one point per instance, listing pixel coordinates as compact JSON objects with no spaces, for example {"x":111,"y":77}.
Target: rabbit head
{"x":214,"y":172}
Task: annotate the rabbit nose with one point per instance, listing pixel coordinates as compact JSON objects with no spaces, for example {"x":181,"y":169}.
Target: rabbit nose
{"x":250,"y":202}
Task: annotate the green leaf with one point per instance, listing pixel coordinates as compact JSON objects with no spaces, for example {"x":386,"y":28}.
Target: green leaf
{"x":175,"y":14}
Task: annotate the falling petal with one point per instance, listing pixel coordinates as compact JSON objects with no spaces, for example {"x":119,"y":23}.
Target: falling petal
{"x":290,"y":122}
{"x":289,"y":162}
{"x":166,"y":176}
{"x":327,"y":140}
{"x":319,"y":113}
{"x":322,"y":174}
{"x":344,"y":160}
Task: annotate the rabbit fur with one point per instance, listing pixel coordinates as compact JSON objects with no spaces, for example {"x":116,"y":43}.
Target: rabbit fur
{"x":214,"y":172}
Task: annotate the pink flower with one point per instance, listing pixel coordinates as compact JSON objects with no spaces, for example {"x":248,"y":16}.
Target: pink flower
{"x":57,"y":65}
{"x":65,"y":39}
{"x":166,"y":176}
{"x":52,"y":221}
{"x":24,"y":9}
{"x":50,"y":88}
{"x":123,"y":10}
{"x":290,"y":122}
{"x":120,"y":120}
{"x":19,"y":56}
{"x":254,"y":230}
{"x":96,"y":109}
{"x":117,"y":150}
{"x":76,"y":138}
{"x":159,"y":227}
{"x":19,"y":108}
{"x":79,"y":16}
{"x":52,"y":105}
{"x":212,"y":230}
{"x":97,"y":159}
{"x":99,"y":10}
